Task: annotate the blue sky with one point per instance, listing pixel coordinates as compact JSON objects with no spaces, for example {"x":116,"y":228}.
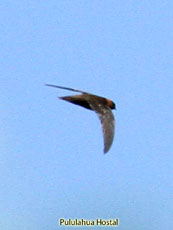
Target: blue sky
{"x":51,"y":152}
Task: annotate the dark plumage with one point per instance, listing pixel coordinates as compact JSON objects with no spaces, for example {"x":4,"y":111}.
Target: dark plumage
{"x":102,"y":106}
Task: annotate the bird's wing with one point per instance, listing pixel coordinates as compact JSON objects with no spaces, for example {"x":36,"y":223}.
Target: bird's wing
{"x":108,"y":123}
{"x":66,"y":88}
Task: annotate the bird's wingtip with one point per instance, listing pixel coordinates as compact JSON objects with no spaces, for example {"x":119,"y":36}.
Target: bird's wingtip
{"x":50,"y":85}
{"x":105,"y":151}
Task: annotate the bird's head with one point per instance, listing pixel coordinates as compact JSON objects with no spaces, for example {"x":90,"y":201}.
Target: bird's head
{"x":111,"y":104}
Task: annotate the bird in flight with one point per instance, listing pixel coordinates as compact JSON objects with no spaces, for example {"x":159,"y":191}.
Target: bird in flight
{"x":102,"y":106}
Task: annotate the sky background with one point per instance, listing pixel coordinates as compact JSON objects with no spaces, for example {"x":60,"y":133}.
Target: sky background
{"x":51,"y":152}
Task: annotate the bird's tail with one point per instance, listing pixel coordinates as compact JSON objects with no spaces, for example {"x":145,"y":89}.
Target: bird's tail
{"x":77,"y":100}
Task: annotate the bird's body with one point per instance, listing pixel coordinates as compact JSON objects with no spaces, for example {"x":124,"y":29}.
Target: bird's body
{"x":85,"y":100}
{"x":102,"y":106}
